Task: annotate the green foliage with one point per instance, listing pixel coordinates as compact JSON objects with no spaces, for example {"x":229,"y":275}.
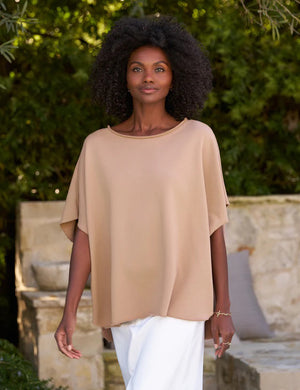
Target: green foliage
{"x":13,"y":21}
{"x":16,"y":373}
{"x":254,"y":107}
{"x":273,"y":15}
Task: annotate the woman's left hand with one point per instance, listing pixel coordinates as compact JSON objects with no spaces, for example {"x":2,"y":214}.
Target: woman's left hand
{"x":221,"y":326}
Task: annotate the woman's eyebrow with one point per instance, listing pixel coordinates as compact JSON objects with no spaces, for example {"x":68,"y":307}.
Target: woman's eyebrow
{"x":155,"y":63}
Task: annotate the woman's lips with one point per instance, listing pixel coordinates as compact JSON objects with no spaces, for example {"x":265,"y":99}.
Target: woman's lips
{"x":148,"y":89}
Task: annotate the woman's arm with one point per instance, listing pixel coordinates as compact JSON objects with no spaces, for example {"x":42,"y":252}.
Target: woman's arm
{"x":80,"y":268}
{"x":220,"y":325}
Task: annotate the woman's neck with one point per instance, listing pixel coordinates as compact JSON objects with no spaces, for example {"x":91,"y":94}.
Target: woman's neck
{"x":149,"y":119}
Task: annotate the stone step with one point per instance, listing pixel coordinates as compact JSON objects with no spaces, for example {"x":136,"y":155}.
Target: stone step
{"x":270,"y":364}
{"x":209,"y":382}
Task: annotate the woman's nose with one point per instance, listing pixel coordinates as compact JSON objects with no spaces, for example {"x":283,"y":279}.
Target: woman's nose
{"x":148,"y":77}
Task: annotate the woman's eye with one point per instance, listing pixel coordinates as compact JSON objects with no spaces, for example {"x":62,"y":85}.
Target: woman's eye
{"x":138,"y":69}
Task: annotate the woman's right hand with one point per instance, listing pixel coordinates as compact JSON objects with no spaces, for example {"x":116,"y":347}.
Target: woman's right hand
{"x":63,"y":337}
{"x":80,"y":268}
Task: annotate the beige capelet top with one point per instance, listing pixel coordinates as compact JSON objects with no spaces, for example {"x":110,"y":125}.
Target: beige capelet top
{"x":149,"y":205}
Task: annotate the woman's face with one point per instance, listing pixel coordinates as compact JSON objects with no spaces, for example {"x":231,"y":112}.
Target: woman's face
{"x":149,"y":75}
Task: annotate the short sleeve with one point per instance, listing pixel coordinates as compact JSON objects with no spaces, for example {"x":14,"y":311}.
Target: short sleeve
{"x":74,"y":212}
{"x":216,"y":196}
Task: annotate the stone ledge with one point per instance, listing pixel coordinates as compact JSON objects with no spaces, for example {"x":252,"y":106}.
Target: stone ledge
{"x":52,"y":298}
{"x":271,"y":199}
{"x":36,"y":209}
{"x":261,"y":365}
{"x":30,"y":208}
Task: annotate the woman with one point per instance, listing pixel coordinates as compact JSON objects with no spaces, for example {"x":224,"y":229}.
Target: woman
{"x":146,"y":208}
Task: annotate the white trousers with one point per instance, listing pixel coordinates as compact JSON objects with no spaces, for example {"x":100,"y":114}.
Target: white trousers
{"x":161,"y":353}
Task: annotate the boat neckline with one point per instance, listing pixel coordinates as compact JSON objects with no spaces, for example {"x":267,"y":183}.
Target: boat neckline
{"x":148,"y":136}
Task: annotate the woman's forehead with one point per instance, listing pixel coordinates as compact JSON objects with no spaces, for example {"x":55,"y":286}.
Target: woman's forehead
{"x":148,"y":54}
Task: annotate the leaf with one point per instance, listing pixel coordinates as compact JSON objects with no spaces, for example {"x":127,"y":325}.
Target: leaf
{"x":23,"y":9}
{"x":8,"y":42}
{"x":7,"y":55}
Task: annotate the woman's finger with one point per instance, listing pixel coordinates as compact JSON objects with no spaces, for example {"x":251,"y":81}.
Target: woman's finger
{"x":223,"y":347}
{"x":73,"y":353}
{"x":63,"y":346}
{"x":226,"y":331}
{"x":225,"y":344}
{"x":69,"y":333}
{"x":215,"y":334}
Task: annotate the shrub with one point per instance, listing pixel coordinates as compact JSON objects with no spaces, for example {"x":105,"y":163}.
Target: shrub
{"x":16,"y":373}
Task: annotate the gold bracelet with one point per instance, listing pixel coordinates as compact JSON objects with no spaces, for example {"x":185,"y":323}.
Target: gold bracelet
{"x":219,"y":313}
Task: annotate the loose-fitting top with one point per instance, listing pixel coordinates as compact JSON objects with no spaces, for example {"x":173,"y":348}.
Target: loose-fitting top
{"x":149,"y":205}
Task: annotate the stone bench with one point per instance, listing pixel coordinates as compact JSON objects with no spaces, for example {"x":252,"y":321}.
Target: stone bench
{"x":266,"y":364}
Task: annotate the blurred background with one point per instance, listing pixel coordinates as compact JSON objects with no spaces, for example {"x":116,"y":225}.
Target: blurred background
{"x":47,"y":50}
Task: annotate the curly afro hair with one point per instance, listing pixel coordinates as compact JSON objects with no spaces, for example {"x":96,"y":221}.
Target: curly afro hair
{"x":192,"y":76}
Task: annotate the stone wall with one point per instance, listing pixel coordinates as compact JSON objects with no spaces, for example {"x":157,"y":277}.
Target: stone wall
{"x":269,"y":227}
